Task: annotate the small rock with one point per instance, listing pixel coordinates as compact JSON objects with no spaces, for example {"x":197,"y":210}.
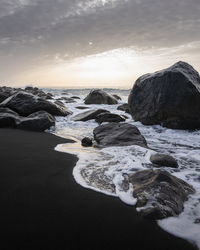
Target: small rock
{"x":86,"y":142}
{"x":164,"y":160}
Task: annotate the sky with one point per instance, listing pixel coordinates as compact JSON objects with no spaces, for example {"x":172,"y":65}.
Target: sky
{"x":94,"y":43}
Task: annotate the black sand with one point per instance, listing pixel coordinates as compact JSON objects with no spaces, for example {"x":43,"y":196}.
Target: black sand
{"x":42,"y":207}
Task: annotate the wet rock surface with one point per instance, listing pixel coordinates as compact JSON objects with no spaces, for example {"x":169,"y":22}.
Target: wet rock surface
{"x":170,"y":97}
{"x":118,"y":134}
{"x":86,"y":142}
{"x":163,"y":160}
{"x":159,"y":194}
{"x":88,"y":115}
{"x":109,"y":117}
{"x":124,"y":107}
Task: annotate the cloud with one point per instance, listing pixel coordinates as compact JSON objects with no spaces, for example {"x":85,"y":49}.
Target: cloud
{"x":37,"y":31}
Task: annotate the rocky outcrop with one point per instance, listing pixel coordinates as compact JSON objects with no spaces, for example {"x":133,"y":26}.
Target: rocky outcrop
{"x":38,"y":121}
{"x":108,"y":117}
{"x":118,"y":134}
{"x":163,"y":160}
{"x":124,"y":107}
{"x":98,"y":96}
{"x":25,"y":104}
{"x":88,"y":115}
{"x":170,"y":97}
{"x":159,"y":194}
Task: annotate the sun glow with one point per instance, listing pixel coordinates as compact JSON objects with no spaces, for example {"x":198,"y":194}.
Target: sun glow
{"x":117,"y":68}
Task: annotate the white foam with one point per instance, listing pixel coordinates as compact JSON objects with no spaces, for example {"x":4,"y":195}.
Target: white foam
{"x":104,"y":170}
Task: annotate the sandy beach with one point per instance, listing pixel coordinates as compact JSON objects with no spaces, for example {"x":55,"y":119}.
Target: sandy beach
{"x":42,"y":207}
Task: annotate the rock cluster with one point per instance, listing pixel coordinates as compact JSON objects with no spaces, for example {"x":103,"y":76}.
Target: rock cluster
{"x":29,"y":109}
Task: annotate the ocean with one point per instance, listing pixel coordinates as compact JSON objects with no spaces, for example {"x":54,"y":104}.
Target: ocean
{"x":103,"y":170}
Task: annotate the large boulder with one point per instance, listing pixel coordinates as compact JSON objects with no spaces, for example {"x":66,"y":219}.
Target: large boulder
{"x":38,"y":121}
{"x":170,"y":97}
{"x":99,"y":96}
{"x":159,"y":194}
{"x":118,"y":134}
{"x":88,"y":115}
{"x":25,"y":104}
{"x":108,"y":117}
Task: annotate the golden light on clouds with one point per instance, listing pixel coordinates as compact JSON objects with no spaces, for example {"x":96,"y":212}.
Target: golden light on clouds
{"x":116,"y":68}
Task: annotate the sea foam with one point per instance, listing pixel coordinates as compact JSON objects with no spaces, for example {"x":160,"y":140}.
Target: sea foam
{"x":103,"y":170}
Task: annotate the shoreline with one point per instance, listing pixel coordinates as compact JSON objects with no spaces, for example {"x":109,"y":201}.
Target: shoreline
{"x":44,"y":208}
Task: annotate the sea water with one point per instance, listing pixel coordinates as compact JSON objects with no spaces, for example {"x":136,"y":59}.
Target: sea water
{"x":103,"y":170}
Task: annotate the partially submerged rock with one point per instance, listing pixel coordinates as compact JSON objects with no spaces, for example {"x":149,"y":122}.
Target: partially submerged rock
{"x":117,"y":97}
{"x":82,"y":107}
{"x":170,"y":97}
{"x":163,"y":160}
{"x":118,"y":134}
{"x":99,"y":96}
{"x":88,"y":115}
{"x":108,"y":117}
{"x":159,"y":194}
{"x":25,"y":104}
{"x":124,"y":107}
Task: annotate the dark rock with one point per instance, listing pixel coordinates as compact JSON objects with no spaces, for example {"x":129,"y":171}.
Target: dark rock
{"x":108,"y":117}
{"x":75,"y":97}
{"x":117,"y":97}
{"x":160,"y":193}
{"x":82,"y":107}
{"x":25,"y":104}
{"x":38,"y":121}
{"x":8,"y":118}
{"x":86,"y":142}
{"x":170,"y":97}
{"x":88,"y":115}
{"x":59,"y":103}
{"x":98,"y":96}
{"x":124,"y":107}
{"x":67,"y":99}
{"x":118,"y":134}
{"x":164,"y":160}
{"x":3,"y":96}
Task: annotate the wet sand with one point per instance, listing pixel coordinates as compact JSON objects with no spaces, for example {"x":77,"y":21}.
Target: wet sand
{"x":42,"y":207}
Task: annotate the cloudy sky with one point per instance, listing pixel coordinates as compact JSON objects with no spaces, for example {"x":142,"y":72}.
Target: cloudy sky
{"x":92,"y":43}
